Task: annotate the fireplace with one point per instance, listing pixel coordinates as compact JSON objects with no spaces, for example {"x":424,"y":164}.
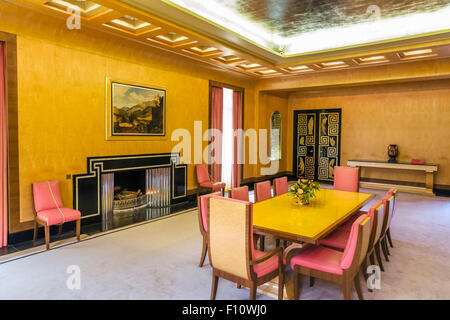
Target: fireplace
{"x":134,"y":196}
{"x":129,"y":187}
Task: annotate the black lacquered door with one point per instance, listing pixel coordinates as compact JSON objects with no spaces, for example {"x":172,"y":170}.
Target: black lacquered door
{"x":317,"y":143}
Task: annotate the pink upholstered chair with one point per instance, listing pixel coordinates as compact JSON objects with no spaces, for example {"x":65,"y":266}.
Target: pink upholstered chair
{"x":202,"y":202}
{"x":280,"y":186}
{"x":339,"y":267}
{"x":240,"y":193}
{"x":231,"y":251}
{"x":49,"y":209}
{"x":204,"y":181}
{"x":347,"y":225}
{"x":262,"y":191}
{"x":339,"y":239}
{"x":346,"y":179}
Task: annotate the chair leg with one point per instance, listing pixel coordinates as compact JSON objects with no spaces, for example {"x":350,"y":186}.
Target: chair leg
{"x":280,"y":282}
{"x":215,"y":280}
{"x":388,"y":233}
{"x":35,"y":230}
{"x":78,"y":229}
{"x":253,"y":291}
{"x":372,"y":257}
{"x":297,"y":285}
{"x":47,"y":237}
{"x":387,"y":246}
{"x":358,"y":287}
{"x":261,"y":243}
{"x":378,"y":254}
{"x":238,"y":285}
{"x":60,"y":229}
{"x":311,"y":281}
{"x":204,"y":250}
{"x":383,"y":246}
{"x":346,"y":287}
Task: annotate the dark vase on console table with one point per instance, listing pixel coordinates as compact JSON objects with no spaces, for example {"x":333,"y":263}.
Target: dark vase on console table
{"x":392,"y":153}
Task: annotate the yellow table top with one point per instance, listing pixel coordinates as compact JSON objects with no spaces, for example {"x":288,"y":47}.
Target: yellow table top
{"x":306,"y":223}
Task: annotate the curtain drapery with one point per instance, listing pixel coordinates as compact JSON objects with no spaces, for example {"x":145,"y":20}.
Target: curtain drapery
{"x":216,"y":123}
{"x":3,"y":150}
{"x":237,"y":139}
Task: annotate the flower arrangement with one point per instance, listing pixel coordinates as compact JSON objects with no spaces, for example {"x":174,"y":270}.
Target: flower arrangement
{"x":303,"y":190}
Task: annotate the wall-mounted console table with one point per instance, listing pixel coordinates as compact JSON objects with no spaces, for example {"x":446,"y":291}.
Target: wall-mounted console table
{"x":429,"y":170}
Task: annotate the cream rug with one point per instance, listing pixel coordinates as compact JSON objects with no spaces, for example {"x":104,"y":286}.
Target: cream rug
{"x":158,"y":260}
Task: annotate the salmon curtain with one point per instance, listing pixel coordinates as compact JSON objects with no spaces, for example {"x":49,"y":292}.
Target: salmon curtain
{"x":237,"y":141}
{"x":3,"y":150}
{"x":216,"y":123}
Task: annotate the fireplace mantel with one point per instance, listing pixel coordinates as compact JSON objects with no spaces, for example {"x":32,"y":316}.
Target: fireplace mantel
{"x":87,"y":187}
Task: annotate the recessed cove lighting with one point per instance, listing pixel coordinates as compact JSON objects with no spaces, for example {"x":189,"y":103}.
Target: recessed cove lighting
{"x":417,"y":52}
{"x":373,"y":58}
{"x":303,"y":67}
{"x":332,"y":63}
{"x":171,"y":37}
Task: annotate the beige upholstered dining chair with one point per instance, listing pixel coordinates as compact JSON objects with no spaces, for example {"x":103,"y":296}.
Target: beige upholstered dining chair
{"x":231,"y":252}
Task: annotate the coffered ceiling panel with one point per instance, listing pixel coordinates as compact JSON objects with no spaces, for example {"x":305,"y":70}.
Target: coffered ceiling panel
{"x":283,"y":18}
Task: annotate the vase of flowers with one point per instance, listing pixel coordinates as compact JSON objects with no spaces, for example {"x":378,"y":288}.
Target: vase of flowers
{"x":303,"y":190}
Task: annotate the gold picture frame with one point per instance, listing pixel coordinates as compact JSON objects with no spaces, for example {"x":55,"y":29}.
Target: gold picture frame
{"x":135,"y":111}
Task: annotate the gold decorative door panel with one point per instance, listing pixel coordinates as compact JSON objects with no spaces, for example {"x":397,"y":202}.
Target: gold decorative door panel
{"x":317,"y":143}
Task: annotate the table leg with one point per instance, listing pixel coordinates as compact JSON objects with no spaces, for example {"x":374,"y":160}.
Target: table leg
{"x":271,"y":288}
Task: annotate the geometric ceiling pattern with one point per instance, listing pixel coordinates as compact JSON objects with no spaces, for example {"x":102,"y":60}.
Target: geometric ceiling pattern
{"x":118,"y":18}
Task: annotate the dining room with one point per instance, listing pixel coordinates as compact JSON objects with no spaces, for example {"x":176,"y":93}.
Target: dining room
{"x":224,"y":150}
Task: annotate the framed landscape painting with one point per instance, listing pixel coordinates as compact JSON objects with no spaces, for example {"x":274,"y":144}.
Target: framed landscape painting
{"x":137,"y":110}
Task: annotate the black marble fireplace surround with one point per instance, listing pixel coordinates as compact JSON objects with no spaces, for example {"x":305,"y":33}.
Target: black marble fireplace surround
{"x":87,"y":187}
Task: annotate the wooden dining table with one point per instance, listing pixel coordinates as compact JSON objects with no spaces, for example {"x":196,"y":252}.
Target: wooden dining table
{"x":304,"y":225}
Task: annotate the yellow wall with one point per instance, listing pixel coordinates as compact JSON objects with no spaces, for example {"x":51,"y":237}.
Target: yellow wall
{"x":61,"y":96}
{"x":415,"y":116}
{"x":267,"y":104}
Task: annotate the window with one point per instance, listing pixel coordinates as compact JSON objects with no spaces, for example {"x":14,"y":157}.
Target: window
{"x":275,"y":136}
{"x":227,"y":137}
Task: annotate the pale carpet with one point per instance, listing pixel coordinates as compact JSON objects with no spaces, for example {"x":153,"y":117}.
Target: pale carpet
{"x":158,"y":260}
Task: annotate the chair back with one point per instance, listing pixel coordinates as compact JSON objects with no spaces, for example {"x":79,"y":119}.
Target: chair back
{"x":240,"y":193}
{"x":202,"y":204}
{"x":202,"y":173}
{"x":229,"y":235}
{"x":357,"y":244}
{"x":381,"y":211}
{"x":280,"y":186}
{"x":262,"y":191}
{"x":394,"y":192}
{"x":346,"y":179}
{"x":46,"y":195}
{"x":389,"y":199}
{"x":373,"y":214}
